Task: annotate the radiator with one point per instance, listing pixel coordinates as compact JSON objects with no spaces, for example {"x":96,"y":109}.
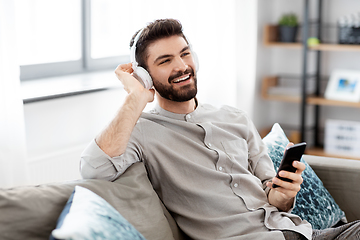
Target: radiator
{"x":55,"y":167}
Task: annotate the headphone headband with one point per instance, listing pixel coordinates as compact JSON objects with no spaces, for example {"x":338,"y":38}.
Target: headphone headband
{"x":133,"y":49}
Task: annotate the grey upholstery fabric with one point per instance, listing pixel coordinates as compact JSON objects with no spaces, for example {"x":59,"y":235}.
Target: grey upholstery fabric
{"x":31,"y":212}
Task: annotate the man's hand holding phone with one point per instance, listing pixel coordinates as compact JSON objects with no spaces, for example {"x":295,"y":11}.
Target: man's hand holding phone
{"x":286,"y":184}
{"x":292,"y":153}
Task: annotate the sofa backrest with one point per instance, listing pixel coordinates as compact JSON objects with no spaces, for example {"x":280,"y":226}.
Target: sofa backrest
{"x":31,"y":212}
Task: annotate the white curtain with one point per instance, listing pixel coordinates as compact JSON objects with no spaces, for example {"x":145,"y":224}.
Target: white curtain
{"x":12,"y":130}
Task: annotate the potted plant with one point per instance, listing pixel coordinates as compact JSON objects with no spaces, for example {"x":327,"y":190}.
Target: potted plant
{"x":288,"y":26}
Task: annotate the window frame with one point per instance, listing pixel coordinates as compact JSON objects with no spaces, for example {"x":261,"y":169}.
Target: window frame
{"x":84,"y":64}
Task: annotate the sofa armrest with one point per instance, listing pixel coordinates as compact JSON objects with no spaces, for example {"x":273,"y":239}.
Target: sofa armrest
{"x":341,"y":177}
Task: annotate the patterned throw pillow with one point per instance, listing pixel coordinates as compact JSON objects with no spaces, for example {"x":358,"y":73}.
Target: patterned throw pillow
{"x":313,"y":202}
{"x":87,"y":216}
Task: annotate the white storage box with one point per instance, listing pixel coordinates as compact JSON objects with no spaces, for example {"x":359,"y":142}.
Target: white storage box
{"x":342,"y":137}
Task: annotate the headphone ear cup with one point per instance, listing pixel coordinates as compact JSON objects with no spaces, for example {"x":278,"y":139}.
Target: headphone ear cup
{"x":143,"y":76}
{"x":196,"y":60}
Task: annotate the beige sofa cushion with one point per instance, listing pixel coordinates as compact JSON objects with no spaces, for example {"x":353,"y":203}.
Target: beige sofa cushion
{"x":31,"y":212}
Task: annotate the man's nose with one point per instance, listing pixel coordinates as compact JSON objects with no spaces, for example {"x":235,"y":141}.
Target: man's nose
{"x":180,"y":64}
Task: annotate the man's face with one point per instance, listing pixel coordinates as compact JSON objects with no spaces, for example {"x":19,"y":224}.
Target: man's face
{"x":172,"y":69}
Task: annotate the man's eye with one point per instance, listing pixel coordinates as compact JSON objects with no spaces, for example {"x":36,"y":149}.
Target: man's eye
{"x":165,"y":61}
{"x":185,"y":54}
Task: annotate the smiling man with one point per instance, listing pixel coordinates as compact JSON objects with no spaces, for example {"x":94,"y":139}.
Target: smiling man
{"x":209,"y":166}
{"x":174,"y":64}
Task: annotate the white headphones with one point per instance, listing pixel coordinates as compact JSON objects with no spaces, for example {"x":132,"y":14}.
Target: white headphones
{"x":140,"y":73}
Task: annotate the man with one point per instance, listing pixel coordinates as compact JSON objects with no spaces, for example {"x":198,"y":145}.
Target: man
{"x":209,"y":166}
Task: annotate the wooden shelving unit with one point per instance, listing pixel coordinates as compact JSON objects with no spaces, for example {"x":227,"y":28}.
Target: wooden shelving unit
{"x":270,"y":39}
{"x":321,"y":152}
{"x":272,"y":81}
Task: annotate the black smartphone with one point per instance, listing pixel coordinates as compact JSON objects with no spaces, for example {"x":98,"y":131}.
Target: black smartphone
{"x":292,"y":153}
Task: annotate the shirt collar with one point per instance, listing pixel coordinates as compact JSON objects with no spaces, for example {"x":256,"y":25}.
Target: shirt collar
{"x":159,"y":110}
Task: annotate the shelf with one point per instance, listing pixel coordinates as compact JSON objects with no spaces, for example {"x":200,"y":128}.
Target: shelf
{"x":321,"y":152}
{"x":284,"y":45}
{"x":271,"y":40}
{"x":335,"y":47}
{"x":328,"y":102}
{"x":272,"y":81}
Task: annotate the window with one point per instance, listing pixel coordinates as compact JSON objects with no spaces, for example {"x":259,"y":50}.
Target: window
{"x":61,"y":37}
{"x":48,"y":37}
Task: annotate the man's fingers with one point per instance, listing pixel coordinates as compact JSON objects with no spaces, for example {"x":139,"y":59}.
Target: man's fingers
{"x":290,"y":189}
{"x":299,"y":166}
{"x":286,"y":192}
{"x":294,"y":177}
{"x":127,"y":67}
{"x":289,"y":144}
{"x":124,"y":74}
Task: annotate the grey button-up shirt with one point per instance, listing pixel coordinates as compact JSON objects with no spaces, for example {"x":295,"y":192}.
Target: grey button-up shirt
{"x":210,"y":169}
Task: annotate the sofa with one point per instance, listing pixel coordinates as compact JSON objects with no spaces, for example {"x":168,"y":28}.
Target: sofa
{"x":31,"y":212}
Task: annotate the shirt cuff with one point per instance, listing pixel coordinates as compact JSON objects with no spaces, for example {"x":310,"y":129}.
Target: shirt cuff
{"x":293,"y":205}
{"x":266,"y":188}
{"x":94,"y":156}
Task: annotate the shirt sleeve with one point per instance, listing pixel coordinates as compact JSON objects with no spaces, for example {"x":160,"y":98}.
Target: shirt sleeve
{"x":96,"y":164}
{"x":259,"y":160}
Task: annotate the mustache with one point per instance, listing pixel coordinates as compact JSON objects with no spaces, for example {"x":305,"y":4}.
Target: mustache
{"x":180,"y":73}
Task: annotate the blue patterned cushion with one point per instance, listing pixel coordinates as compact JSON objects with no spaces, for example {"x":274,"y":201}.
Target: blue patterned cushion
{"x":313,"y":202}
{"x":87,"y":216}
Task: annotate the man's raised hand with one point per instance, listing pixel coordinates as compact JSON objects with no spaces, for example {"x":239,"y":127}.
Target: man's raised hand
{"x":124,"y":73}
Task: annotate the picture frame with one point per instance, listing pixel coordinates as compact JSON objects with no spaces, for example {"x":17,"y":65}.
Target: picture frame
{"x":344,"y":85}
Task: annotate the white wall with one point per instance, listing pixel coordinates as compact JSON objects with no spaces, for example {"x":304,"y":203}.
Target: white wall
{"x":58,"y":130}
{"x":246,"y":50}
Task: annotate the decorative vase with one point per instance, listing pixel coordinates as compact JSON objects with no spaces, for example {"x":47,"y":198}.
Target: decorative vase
{"x":288,"y":34}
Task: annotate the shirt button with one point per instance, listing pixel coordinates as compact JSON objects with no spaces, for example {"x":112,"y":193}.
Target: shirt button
{"x":236,"y":185}
{"x":220,"y":168}
{"x":188,"y":116}
{"x":209,"y":144}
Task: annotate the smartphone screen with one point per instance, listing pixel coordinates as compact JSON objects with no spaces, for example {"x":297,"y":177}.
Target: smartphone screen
{"x":292,"y":153}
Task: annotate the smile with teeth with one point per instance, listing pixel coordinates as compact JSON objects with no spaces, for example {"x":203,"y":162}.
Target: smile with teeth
{"x":182,"y":79}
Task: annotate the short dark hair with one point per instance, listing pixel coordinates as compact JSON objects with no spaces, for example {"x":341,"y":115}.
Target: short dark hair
{"x":154,"y":31}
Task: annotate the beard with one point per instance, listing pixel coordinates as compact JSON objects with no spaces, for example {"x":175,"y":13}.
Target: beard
{"x":180,"y":94}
